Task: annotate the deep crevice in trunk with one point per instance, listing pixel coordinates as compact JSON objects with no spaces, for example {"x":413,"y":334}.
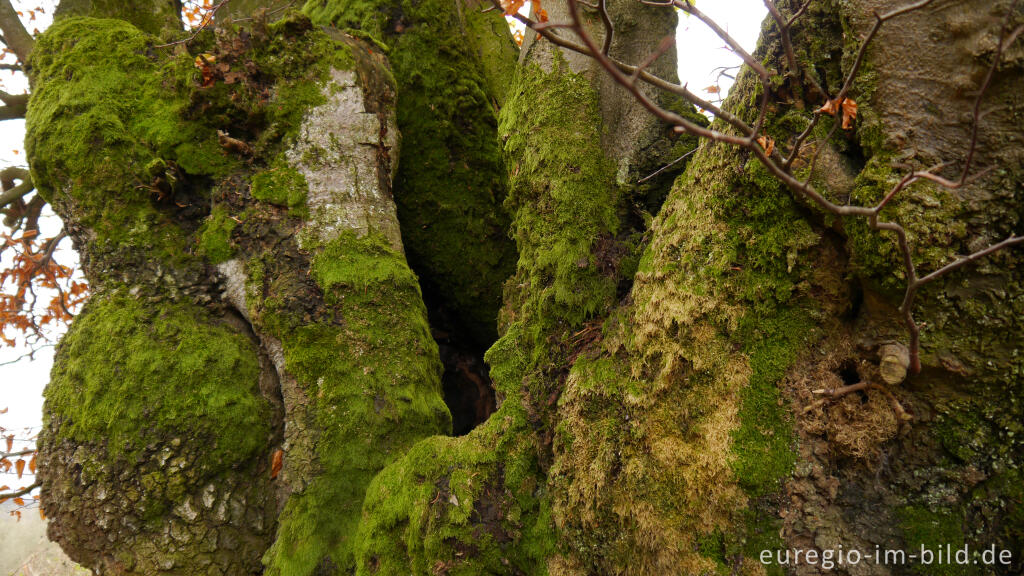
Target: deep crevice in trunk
{"x":466,"y":382}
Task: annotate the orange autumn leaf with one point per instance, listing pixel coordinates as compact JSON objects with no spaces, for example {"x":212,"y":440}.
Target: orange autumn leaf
{"x":20,"y":467}
{"x":713,"y":89}
{"x":768,"y":143}
{"x":10,"y":443}
{"x":41,"y":515}
{"x":849,"y":113}
{"x":19,"y":501}
{"x":542,"y":14}
{"x":848,"y":107}
{"x":512,"y":6}
{"x":32,"y":464}
{"x":276,"y":462}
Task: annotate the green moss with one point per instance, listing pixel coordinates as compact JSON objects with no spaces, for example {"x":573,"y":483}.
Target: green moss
{"x":299,"y":57}
{"x":281,"y":185}
{"x":931,"y":216}
{"x":215,"y":235}
{"x":925,"y":529}
{"x":357,"y":263}
{"x":370,"y":403}
{"x":134,"y":375}
{"x":151,"y":17}
{"x":455,"y":502}
{"x":562,"y":196}
{"x":763,"y":443}
{"x":477,"y":504}
{"x":101,"y":113}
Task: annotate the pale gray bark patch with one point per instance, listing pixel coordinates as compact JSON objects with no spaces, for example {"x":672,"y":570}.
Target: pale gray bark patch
{"x":337,"y":151}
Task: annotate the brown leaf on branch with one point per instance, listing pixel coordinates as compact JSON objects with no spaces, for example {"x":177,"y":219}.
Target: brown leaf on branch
{"x":276,"y":462}
{"x":768,"y":143}
{"x":848,"y":107}
{"x":19,"y":466}
{"x":849,"y":113}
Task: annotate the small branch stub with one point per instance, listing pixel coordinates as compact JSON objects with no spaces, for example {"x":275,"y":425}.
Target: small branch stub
{"x":894,"y":364}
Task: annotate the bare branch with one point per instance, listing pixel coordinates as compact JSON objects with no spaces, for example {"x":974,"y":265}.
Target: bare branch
{"x":787,"y":42}
{"x":15,"y":105}
{"x":16,"y":192}
{"x":20,"y":492}
{"x":15,"y":36}
{"x":31,"y":354}
{"x":609,"y":28}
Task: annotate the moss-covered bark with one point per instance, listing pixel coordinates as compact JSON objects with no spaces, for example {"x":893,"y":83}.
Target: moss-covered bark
{"x":308,"y":340}
{"x":697,"y":404}
{"x":158,"y":420}
{"x":452,"y":66}
{"x":656,"y":381}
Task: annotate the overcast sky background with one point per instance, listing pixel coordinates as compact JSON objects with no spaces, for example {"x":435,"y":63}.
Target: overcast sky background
{"x":701,"y":52}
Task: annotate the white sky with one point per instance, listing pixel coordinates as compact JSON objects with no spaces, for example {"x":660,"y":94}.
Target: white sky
{"x":22,"y":382}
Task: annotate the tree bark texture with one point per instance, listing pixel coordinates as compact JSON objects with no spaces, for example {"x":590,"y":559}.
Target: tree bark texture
{"x":280,"y":222}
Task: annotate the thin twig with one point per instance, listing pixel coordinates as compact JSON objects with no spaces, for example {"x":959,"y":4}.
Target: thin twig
{"x":207,"y":20}
{"x":666,"y":167}
{"x":20,"y":492}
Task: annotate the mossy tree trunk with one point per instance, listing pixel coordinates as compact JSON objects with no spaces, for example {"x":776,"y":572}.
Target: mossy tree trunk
{"x":281,"y":223}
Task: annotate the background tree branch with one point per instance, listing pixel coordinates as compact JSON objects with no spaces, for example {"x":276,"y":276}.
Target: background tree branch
{"x":16,"y":37}
{"x":15,"y":105}
{"x":10,"y":191}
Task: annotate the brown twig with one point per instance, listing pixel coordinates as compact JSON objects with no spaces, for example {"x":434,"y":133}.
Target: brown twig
{"x":787,"y":42}
{"x":207,"y":20}
{"x":20,"y":492}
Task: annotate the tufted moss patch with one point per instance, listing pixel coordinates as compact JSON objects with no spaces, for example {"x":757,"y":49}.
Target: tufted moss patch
{"x":215,"y":235}
{"x":926,"y":529}
{"x":282,"y":185}
{"x":111,"y":111}
{"x":763,"y":443}
{"x":131,"y":375}
{"x":467,"y":504}
{"x":562,"y":195}
{"x":357,"y":263}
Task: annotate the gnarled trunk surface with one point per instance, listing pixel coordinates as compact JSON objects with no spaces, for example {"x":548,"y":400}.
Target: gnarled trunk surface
{"x":290,"y":229}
